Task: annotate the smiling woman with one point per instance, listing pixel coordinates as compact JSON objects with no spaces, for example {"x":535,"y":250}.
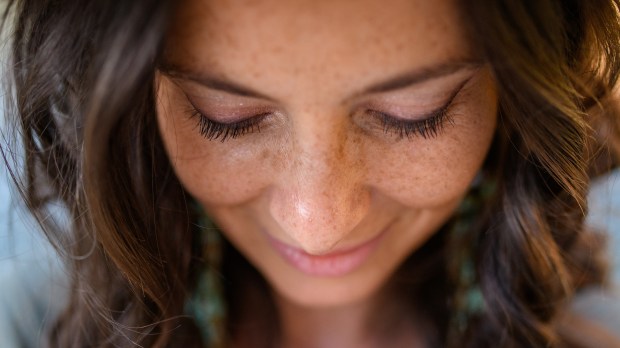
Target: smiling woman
{"x":319,"y":173}
{"x":326,"y":179}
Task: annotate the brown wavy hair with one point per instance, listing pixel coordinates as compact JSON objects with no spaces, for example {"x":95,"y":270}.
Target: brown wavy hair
{"x":82,"y":101}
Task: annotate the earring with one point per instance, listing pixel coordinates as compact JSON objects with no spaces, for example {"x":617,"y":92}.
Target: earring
{"x":468,"y":298}
{"x":207,"y":305}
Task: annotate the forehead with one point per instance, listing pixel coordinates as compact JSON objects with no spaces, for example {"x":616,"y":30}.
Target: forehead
{"x":333,"y":44}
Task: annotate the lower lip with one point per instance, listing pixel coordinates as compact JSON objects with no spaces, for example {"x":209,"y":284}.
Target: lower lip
{"x":331,"y":265}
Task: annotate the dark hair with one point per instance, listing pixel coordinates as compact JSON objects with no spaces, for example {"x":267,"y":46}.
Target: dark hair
{"x":83,"y":100}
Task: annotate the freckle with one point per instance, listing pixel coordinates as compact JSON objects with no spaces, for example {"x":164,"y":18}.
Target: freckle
{"x":277,"y":49}
{"x":296,"y":71}
{"x":264,"y":155}
{"x":337,"y":76}
{"x":273,"y":159}
{"x":341,"y":151}
{"x":399,"y":47}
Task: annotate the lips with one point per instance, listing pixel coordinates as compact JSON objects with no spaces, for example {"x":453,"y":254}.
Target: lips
{"x":334,"y":264}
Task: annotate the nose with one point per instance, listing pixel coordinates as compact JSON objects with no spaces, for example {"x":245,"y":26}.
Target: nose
{"x":320,"y":197}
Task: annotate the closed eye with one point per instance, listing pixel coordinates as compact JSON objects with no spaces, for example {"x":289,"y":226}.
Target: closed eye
{"x":429,"y":126}
{"x":214,"y":130}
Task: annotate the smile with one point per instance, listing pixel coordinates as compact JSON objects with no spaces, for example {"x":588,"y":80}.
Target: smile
{"x":334,"y":264}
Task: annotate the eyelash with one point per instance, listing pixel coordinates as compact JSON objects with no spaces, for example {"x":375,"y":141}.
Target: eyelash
{"x":429,"y":127}
{"x":213,"y":130}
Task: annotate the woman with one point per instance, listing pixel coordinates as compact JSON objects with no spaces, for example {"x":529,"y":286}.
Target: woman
{"x":402,"y":174}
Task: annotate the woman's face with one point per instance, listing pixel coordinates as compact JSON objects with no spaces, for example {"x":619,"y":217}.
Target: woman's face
{"x":328,"y":139}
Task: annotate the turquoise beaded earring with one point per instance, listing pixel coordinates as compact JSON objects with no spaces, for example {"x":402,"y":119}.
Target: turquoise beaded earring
{"x":207,"y":305}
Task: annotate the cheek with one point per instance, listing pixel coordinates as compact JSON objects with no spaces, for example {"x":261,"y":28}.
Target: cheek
{"x":433,"y":172}
{"x":427,"y":178}
{"x":208,"y":170}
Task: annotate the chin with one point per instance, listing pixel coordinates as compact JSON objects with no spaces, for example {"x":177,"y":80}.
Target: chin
{"x":318,"y":292}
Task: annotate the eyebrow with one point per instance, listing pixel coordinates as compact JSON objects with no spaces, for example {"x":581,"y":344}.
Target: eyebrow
{"x":397,"y":82}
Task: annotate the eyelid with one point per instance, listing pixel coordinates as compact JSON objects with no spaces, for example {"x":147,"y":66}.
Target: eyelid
{"x":214,"y":130}
{"x":428,"y":114}
{"x":419,"y":118}
{"x":426,"y":128}
{"x":429,"y":125}
{"x":231,"y":119}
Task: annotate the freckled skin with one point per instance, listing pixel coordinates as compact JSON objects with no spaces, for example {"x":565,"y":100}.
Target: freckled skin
{"x":313,"y":178}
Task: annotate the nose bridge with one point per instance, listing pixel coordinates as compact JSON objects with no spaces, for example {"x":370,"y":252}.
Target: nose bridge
{"x":320,"y":197}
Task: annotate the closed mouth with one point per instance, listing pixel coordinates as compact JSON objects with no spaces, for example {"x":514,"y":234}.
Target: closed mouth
{"x":333,"y":264}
